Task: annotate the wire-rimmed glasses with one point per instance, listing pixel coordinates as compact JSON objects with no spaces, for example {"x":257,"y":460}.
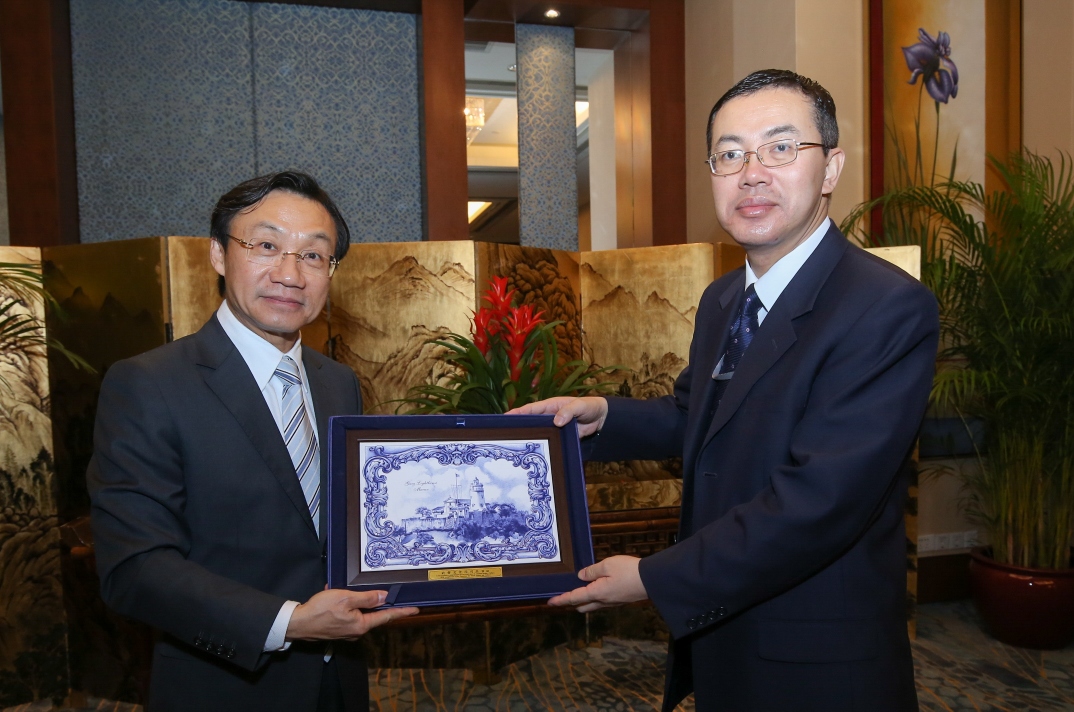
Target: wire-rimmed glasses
{"x":265,"y":252}
{"x":771,"y":155}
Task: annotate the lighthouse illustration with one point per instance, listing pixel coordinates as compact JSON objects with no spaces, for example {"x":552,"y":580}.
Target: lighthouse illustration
{"x":477,"y":495}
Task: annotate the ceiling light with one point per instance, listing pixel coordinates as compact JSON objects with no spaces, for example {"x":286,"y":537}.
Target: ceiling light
{"x":475,"y":208}
{"x":475,"y":117}
{"x":551,"y":14}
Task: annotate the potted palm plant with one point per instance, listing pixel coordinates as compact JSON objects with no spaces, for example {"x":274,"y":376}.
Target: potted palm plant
{"x":1002,"y":267}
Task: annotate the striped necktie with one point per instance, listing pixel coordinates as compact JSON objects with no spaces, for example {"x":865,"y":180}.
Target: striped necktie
{"x":298,"y":435}
{"x":742,"y":332}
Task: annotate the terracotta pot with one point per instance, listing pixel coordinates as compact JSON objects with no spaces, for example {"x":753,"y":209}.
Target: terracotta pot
{"x":1030,"y":608}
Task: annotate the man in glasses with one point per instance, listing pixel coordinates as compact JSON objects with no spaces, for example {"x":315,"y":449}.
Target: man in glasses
{"x":208,"y":470}
{"x":809,"y":373}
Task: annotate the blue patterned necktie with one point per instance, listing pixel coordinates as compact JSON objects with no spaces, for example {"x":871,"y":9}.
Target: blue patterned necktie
{"x":298,"y":435}
{"x":742,"y":332}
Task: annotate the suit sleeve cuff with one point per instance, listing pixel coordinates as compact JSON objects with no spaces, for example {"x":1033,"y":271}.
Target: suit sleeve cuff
{"x":276,"y":640}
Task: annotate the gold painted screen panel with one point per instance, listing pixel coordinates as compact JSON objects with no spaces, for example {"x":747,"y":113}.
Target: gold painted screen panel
{"x":548,"y":279}
{"x":638,"y":308}
{"x":113,"y":298}
{"x":32,"y":617}
{"x":192,"y":292}
{"x":905,"y":257}
{"x":388,"y":300}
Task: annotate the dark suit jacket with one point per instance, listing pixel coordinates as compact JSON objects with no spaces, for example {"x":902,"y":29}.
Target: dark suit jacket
{"x":786,"y":589}
{"x":200,"y":526}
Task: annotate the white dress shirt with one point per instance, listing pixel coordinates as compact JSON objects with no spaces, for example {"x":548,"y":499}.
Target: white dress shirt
{"x":263,"y":358}
{"x":775,"y":280}
{"x":770,"y":285}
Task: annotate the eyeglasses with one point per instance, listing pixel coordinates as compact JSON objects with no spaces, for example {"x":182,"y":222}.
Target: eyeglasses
{"x":312,"y":262}
{"x":771,"y":155}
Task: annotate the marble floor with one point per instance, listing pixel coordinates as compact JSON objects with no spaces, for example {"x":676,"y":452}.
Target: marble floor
{"x":958,"y":668}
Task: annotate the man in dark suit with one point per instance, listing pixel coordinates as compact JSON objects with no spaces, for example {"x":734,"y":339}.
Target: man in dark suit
{"x":809,"y":373}
{"x":207,"y":472}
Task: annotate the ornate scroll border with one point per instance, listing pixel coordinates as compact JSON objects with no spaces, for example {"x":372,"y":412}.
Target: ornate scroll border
{"x":383,"y":550}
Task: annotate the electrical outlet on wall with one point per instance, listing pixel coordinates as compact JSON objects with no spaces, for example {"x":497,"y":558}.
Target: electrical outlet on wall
{"x":948,"y":541}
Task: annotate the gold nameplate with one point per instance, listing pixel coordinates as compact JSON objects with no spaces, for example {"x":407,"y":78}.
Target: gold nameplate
{"x":456,"y":574}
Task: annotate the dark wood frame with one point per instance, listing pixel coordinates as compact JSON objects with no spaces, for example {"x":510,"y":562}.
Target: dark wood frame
{"x":519,"y":582}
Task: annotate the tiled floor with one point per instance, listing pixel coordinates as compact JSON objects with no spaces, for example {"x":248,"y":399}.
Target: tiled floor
{"x":958,"y":668}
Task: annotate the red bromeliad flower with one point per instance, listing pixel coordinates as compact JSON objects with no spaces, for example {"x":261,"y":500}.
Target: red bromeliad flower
{"x":499,"y":296}
{"x":518,"y":325}
{"x":484,"y":328}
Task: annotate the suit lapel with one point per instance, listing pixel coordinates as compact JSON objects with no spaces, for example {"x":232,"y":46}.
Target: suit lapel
{"x":716,"y":345}
{"x":777,"y":333}
{"x":713,"y":342}
{"x":230,"y":379}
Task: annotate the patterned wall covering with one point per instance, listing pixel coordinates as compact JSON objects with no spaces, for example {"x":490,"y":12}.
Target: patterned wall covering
{"x":337,"y":95}
{"x":178,"y":100}
{"x":547,"y":139}
{"x":163,"y":120}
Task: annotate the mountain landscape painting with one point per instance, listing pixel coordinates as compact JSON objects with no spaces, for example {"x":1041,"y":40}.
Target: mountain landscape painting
{"x":388,"y":302}
{"x":638,"y":309}
{"x":33,"y":657}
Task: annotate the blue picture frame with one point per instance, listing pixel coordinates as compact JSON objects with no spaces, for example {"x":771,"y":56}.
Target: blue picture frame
{"x":384,"y":531}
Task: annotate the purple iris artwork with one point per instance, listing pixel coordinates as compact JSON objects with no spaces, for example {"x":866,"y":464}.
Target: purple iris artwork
{"x":930,"y":59}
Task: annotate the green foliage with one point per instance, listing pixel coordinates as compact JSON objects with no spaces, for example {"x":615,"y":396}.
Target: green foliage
{"x":21,"y":331}
{"x":481,"y":383}
{"x":512,"y":360}
{"x":1001,"y":267}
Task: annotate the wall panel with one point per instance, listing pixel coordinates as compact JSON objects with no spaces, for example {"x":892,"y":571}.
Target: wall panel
{"x":547,"y":138}
{"x":163,"y":113}
{"x":336,"y":94}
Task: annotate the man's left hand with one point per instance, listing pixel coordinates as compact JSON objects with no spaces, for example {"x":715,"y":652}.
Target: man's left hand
{"x":615,"y":581}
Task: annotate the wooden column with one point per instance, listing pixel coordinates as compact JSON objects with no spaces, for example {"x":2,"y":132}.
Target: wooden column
{"x":39,"y":133}
{"x":1003,"y":84}
{"x":667,"y":86}
{"x":444,"y":130}
{"x":875,"y":92}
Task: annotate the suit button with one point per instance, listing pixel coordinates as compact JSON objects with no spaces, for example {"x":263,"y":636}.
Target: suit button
{"x":721,"y":611}
{"x":231,"y":654}
{"x":692,"y":623}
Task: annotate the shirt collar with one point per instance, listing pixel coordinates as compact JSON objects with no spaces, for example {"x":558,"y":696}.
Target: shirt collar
{"x":261,"y":356}
{"x":775,"y":280}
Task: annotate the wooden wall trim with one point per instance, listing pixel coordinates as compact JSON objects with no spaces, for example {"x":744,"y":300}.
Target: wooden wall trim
{"x":39,"y":131}
{"x":667,"y":73}
{"x":1003,"y":84}
{"x":875,"y":58}
{"x":444,"y":127}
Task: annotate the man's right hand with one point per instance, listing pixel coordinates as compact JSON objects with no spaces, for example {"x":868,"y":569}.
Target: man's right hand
{"x":336,"y":614}
{"x":590,"y":412}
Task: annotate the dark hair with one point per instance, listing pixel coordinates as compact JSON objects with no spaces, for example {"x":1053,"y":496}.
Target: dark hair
{"x":818,"y":97}
{"x":249,"y":193}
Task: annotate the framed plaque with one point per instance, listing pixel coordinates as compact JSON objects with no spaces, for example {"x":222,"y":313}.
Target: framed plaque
{"x":453,"y":509}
